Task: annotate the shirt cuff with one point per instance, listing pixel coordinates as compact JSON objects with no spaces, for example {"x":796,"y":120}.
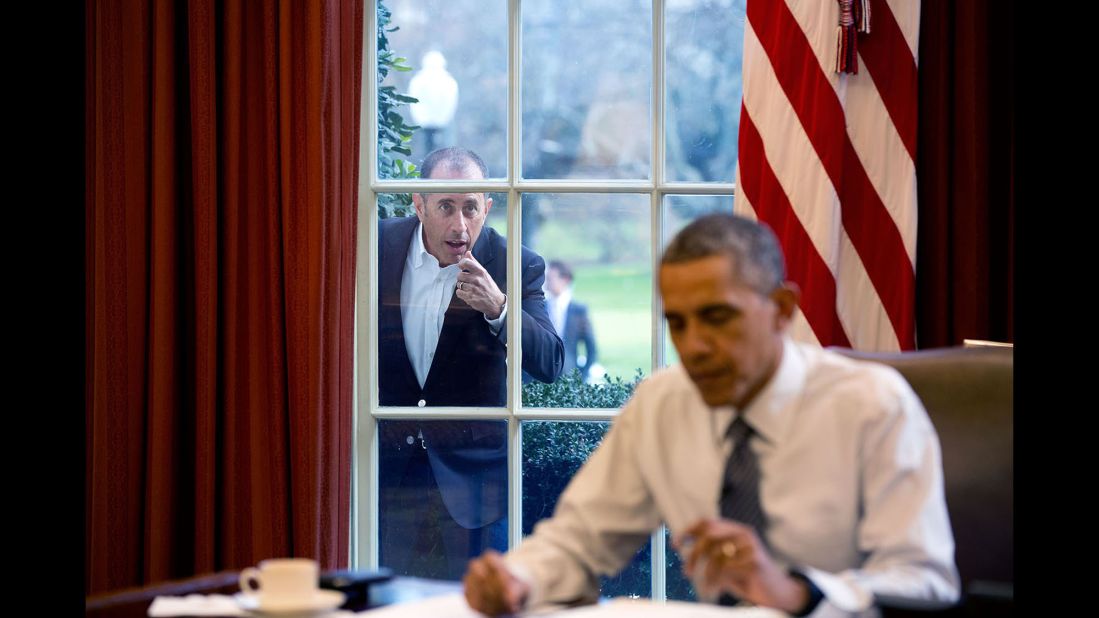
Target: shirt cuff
{"x":498,"y":323}
{"x":815,"y":593}
{"x":523,"y":574}
{"x":838,"y":592}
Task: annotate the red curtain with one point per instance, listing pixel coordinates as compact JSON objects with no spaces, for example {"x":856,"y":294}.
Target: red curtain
{"x":222,"y":156}
{"x":965,"y":258}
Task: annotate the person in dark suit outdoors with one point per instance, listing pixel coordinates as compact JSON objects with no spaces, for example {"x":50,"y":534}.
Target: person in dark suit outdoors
{"x":570,"y":318}
{"x":442,"y":337}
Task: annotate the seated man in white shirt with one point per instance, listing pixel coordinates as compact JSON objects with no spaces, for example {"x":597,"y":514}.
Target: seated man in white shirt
{"x":834,"y":495}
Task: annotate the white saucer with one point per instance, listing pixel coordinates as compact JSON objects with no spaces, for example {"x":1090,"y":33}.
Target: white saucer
{"x":321,"y":601}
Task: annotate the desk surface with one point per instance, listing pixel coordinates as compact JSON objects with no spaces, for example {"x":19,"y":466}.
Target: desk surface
{"x":134,"y":602}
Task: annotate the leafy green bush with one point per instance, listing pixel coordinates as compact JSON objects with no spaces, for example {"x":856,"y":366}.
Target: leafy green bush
{"x":393,"y":134}
{"x":570,"y":391}
{"x":553,"y":451}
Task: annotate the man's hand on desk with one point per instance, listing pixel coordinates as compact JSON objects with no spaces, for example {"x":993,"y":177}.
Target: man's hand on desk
{"x":726,"y":556}
{"x":476,"y":287}
{"x":491,"y":589}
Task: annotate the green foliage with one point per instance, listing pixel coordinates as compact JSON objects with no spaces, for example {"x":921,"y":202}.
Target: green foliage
{"x":564,"y":445}
{"x":570,"y":391}
{"x":393,"y":134}
{"x":553,"y":451}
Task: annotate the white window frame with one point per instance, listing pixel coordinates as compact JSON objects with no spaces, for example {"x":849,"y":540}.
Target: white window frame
{"x":364,"y":495}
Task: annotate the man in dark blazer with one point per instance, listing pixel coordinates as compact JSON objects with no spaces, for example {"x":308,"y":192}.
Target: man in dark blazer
{"x":570,"y":319}
{"x":442,"y":335}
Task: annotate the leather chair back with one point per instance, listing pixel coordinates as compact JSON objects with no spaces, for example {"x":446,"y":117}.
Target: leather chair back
{"x":968,"y":395}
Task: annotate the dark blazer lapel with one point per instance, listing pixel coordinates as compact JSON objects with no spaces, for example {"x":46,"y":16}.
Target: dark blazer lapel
{"x":485,"y":249}
{"x":394,"y":252}
{"x":457,"y":320}
{"x":574,"y":323}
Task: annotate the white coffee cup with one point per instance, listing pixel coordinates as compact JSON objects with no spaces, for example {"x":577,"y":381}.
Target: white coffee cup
{"x":280,"y":580}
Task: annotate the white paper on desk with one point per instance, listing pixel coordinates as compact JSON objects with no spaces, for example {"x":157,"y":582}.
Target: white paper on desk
{"x":195,"y":605}
{"x":454,"y":606}
{"x":221,"y":605}
{"x":644,"y":608}
{"x":444,"y":606}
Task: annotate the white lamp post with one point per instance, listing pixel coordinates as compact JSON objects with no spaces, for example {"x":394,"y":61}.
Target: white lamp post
{"x":437,"y":92}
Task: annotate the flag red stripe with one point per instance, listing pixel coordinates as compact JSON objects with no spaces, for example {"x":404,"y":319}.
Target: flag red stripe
{"x":803,"y":262}
{"x":888,"y":59}
{"x":881,"y":249}
{"x":868,"y":223}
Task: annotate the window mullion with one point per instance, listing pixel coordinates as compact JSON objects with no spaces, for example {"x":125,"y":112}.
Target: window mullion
{"x":514,"y":281}
{"x":515,"y":365}
{"x":364,"y":552}
{"x":567,"y":414}
{"x":697,"y":188}
{"x":585,"y":186}
{"x":366,"y":446}
{"x":657,"y":218}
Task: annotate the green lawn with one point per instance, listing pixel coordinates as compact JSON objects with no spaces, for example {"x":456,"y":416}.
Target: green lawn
{"x":618,"y":294}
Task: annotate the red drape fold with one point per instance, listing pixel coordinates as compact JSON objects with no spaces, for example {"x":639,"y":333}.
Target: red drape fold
{"x":965,"y":258}
{"x":222,"y":179}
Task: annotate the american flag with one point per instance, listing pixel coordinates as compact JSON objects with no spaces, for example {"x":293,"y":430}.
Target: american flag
{"x":827,"y":159}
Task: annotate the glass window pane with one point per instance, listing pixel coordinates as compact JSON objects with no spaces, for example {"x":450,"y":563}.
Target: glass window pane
{"x":455,"y":52}
{"x":679,"y":210}
{"x":498,"y":217}
{"x":553,"y":451}
{"x":436,"y":345}
{"x":586,"y":82}
{"x":702,"y":103}
{"x":598,"y":292}
{"x":442,"y":494}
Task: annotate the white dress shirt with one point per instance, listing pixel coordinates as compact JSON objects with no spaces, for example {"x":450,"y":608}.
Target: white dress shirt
{"x":426,"y":291}
{"x":558,"y":305}
{"x":851,"y":483}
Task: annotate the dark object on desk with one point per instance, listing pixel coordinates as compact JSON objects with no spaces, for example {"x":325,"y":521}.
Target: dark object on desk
{"x":355,"y":585}
{"x":134,"y":602}
{"x":979,"y":600}
{"x":969,"y":397}
{"x":410,"y":589}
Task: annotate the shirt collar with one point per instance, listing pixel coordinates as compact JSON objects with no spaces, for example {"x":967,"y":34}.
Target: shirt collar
{"x":769,"y":413}
{"x":417,"y":252}
{"x":564,"y":297}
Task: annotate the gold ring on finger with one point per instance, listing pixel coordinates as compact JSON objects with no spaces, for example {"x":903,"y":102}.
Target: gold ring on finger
{"x":728,"y":549}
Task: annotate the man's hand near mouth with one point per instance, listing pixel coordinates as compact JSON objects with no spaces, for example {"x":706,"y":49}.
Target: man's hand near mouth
{"x":477,"y":289}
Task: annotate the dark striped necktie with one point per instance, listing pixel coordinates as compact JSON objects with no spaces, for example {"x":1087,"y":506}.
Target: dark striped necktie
{"x":740,"y":489}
